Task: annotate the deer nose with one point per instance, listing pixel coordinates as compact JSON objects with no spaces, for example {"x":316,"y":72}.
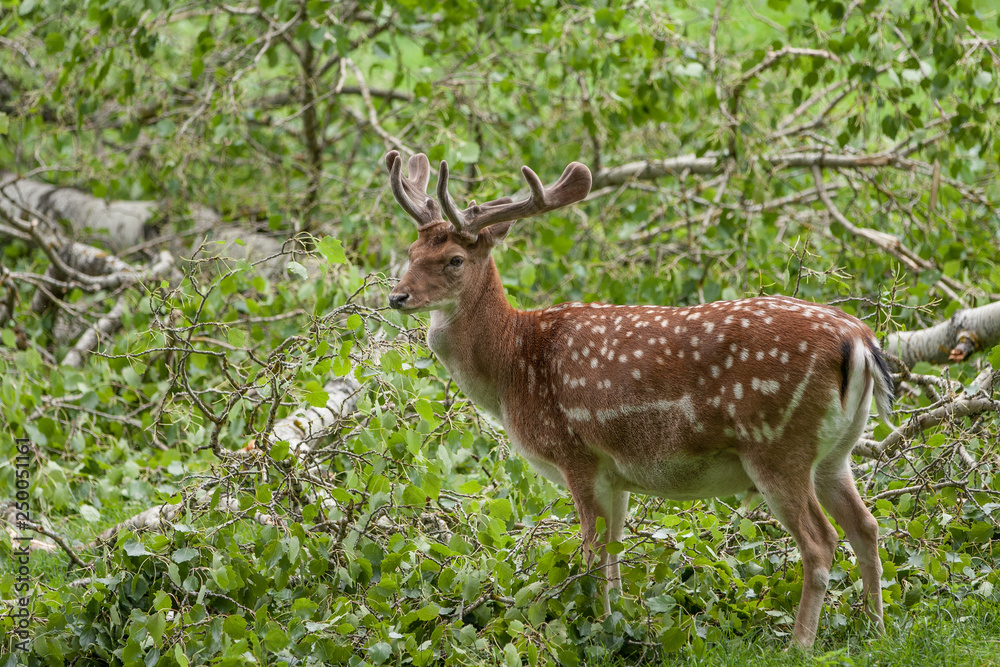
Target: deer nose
{"x":397,"y":301}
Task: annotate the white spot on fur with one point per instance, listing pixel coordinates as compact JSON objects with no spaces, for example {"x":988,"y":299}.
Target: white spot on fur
{"x":715,"y":371}
{"x":766,"y":387}
{"x":745,"y":322}
{"x":637,"y":354}
{"x":738,"y":390}
{"x":784,"y":357}
{"x":636,"y":374}
{"x":576,"y":414}
{"x":593,"y":362}
{"x":803,"y":345}
{"x":683,"y":405}
{"x":729,"y":362}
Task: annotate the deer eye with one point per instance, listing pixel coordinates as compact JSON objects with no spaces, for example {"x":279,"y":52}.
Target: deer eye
{"x":456,"y":261}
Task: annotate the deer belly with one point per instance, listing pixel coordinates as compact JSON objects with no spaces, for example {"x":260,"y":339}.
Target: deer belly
{"x":547,"y":470}
{"x":681,"y":477}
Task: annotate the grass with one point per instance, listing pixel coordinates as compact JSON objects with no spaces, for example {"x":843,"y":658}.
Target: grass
{"x":933,"y":633}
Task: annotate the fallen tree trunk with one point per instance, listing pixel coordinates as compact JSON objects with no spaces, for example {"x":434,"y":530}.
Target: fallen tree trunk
{"x":123,"y":224}
{"x":955,"y":339}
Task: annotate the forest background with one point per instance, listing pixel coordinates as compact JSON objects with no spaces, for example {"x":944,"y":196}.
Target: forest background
{"x":238,"y":455}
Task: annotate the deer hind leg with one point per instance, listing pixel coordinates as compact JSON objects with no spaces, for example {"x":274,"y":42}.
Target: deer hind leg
{"x":595,"y":495}
{"x":617,"y":503}
{"x":836,"y":490}
{"x":791,"y":497}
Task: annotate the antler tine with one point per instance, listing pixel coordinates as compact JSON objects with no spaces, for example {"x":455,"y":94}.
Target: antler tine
{"x":572,"y":186}
{"x":409,"y":191}
{"x":447,"y":204}
{"x":418,"y":170}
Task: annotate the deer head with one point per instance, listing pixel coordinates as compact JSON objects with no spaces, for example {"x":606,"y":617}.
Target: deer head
{"x":452,"y":258}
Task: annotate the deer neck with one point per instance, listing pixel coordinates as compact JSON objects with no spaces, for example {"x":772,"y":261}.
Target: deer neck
{"x":474,"y":340}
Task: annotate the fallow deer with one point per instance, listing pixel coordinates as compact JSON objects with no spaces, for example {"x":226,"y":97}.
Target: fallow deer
{"x":768,"y":393}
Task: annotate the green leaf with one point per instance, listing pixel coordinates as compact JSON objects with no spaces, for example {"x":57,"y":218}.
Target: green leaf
{"x":379,"y":652}
{"x":297,"y":270}
{"x":527,"y":277}
{"x":469,"y":152}
{"x":131,"y":378}
{"x":155,"y":625}
{"x":428,"y":613}
{"x":527,"y":593}
{"x":304,"y":608}
{"x":662,"y":603}
{"x":237,"y":337}
{"x":235,"y":626}
{"x":54,"y":42}
{"x":994,"y":357}
{"x":183,"y":555}
{"x":275,"y":639}
{"x":135,"y":548}
{"x":161,"y":601}
{"x":132,"y":654}
{"x":4,"y":123}
{"x":318,"y":397}
{"x":279,"y":451}
{"x":263,"y":492}
{"x":332,"y":250}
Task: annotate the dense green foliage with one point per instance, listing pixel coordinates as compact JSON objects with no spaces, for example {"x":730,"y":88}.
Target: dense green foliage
{"x":409,"y":534}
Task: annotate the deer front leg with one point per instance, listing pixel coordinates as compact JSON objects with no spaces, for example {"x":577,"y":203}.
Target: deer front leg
{"x":594,"y":495}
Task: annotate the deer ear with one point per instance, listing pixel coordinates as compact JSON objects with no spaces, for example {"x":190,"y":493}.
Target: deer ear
{"x":494,"y":234}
